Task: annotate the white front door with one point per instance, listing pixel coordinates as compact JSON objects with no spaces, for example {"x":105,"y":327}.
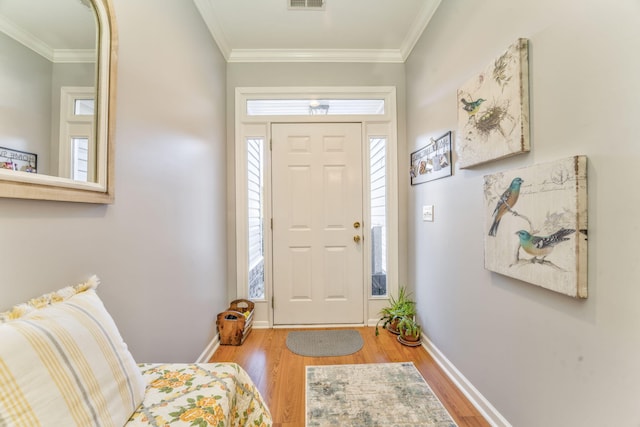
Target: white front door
{"x":317,"y":223}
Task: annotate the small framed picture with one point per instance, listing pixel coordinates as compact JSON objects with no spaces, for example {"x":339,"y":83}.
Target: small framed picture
{"x":432,"y":161}
{"x":18,"y":160}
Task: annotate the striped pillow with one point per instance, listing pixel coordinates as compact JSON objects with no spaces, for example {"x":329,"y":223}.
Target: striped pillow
{"x":64,"y":363}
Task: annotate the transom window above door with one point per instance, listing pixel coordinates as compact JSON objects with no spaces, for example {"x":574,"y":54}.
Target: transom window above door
{"x":310,"y":107}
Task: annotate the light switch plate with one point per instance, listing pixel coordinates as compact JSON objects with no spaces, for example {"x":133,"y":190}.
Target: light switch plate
{"x":427,"y":213}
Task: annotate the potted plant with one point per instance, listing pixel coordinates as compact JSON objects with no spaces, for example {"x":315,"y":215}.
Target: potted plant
{"x":399,"y":307}
{"x":409,"y":331}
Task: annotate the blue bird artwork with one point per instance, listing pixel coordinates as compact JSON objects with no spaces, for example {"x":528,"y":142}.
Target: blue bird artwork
{"x":541,"y":246}
{"x":505,"y":204}
{"x":471,"y":107}
{"x":535,"y":225}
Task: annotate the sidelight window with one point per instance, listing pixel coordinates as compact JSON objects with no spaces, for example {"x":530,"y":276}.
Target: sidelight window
{"x":378,"y":174}
{"x":255,"y":214}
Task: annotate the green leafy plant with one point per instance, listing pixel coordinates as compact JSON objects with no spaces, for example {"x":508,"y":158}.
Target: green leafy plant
{"x":409,"y":329}
{"x":399,"y":307}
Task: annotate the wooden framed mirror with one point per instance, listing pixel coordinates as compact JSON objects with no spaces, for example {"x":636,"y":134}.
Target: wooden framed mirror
{"x":57,"y":85}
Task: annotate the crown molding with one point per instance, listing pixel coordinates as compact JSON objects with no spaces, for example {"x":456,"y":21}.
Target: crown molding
{"x":417,"y":28}
{"x":315,"y":55}
{"x":26,"y":38}
{"x":57,"y":56}
{"x":66,"y":56}
{"x":210,"y":20}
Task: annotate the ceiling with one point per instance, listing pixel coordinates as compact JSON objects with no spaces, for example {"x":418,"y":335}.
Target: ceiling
{"x":244,"y":30}
{"x":343,"y":31}
{"x":44,"y":26}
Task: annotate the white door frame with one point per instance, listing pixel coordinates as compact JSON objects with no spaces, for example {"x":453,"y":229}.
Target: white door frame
{"x":317,"y":269}
{"x":378,"y":125}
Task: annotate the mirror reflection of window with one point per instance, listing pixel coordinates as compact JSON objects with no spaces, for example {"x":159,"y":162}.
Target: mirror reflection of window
{"x":48,"y":45}
{"x":80,"y":159}
{"x":77,"y":150}
{"x":84,"y":107}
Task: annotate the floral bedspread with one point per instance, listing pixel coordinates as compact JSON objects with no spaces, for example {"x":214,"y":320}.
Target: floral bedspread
{"x":205,"y":394}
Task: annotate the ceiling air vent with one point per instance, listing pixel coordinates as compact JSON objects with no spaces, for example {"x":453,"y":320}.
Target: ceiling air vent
{"x":306,"y":4}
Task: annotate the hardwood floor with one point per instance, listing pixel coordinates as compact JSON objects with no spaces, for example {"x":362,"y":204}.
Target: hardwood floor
{"x":280,"y":374}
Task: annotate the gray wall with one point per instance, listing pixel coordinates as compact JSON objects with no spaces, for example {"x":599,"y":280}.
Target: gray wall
{"x":160,"y":248}
{"x":314,"y":74}
{"x":541,"y":358}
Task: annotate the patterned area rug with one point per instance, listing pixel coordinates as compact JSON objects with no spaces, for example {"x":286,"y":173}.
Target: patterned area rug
{"x":336,"y":342}
{"x":377,"y":394}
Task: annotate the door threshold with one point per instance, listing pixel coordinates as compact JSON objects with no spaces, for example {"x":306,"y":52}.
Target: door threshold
{"x":333,"y":325}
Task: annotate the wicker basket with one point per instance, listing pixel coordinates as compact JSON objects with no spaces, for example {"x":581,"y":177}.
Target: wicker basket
{"x":235,"y":323}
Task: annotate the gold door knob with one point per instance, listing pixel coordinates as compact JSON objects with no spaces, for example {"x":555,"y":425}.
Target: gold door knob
{"x":356,"y":238}
{"x":356,"y":224}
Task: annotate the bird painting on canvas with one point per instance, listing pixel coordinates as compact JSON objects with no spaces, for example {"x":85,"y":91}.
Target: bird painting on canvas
{"x":471,"y":107}
{"x":536,"y":225}
{"x":505,"y":204}
{"x":541,"y":246}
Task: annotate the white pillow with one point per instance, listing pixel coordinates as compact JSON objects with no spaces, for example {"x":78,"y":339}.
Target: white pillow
{"x":64,"y":363}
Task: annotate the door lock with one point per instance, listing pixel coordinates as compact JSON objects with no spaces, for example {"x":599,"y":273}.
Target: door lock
{"x":356,"y":224}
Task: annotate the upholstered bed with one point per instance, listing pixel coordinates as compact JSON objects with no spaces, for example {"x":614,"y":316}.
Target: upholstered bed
{"x":64,"y":363}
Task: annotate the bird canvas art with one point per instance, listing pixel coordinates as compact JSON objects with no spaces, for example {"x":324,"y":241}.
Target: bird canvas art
{"x":536,"y":225}
{"x":493,"y":109}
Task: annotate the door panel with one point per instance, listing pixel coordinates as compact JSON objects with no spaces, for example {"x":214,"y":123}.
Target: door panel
{"x":317,"y":197}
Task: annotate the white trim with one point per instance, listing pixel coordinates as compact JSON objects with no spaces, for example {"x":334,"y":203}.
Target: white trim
{"x":48,"y":180}
{"x":74,"y":56}
{"x":208,"y":352}
{"x":374,"y":130}
{"x":210,"y":20}
{"x":105,"y":83}
{"x":26,"y":38}
{"x":71,"y":125}
{"x":366,"y":215}
{"x":316,"y":55}
{"x":488,"y":411}
{"x":261,"y":324}
{"x":30,"y":41}
{"x":328,"y":325}
{"x":214,"y":344}
{"x":258,"y":126}
{"x":372,"y":322}
{"x":417,"y":28}
{"x":388,"y":93}
{"x":244,"y":131}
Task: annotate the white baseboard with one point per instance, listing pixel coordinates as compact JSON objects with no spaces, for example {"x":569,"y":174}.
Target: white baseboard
{"x":209,"y":350}
{"x":261,"y":324}
{"x":320,"y":326}
{"x":487,"y":410}
{"x":215,"y":343}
